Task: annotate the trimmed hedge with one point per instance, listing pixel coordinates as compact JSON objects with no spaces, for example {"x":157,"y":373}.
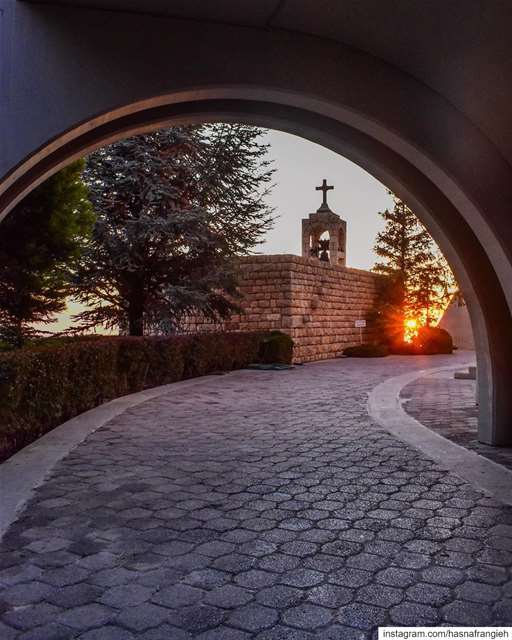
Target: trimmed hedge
{"x":42,"y":387}
{"x":432,"y":340}
{"x":429,"y":341}
{"x":366,"y":351}
{"x":276,"y":348}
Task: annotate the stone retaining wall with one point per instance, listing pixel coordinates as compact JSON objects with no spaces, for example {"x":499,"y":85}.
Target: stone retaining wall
{"x":316,"y":303}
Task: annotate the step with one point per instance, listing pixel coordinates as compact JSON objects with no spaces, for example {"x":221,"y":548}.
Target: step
{"x":470,"y":374}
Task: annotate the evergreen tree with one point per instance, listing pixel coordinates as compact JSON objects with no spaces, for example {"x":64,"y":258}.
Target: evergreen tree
{"x":174,"y":208}
{"x":431,"y":287}
{"x":420,"y":280}
{"x":39,"y":242}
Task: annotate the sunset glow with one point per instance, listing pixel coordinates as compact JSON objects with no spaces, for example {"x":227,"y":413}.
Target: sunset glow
{"x":410,"y":329}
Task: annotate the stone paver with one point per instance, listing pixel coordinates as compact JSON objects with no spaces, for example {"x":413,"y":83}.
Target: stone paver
{"x":260,"y":505}
{"x":448,"y":407}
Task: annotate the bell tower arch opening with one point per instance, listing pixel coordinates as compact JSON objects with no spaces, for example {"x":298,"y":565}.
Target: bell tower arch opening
{"x":324,"y":233}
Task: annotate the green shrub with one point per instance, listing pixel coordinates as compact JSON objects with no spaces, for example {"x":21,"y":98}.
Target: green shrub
{"x":276,"y":348}
{"x":432,"y":340}
{"x":5,"y":346}
{"x":220,"y":352}
{"x":428,"y":342}
{"x":367,"y":351}
{"x":404,"y":349}
{"x":41,"y":388}
{"x":47,"y":384}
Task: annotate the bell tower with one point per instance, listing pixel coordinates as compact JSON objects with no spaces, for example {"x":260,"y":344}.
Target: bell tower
{"x":324,"y":233}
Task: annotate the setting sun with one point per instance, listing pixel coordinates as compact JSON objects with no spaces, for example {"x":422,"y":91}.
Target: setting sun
{"x":410,"y":329}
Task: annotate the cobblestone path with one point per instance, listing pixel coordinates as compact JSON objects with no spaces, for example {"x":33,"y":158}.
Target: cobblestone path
{"x":257,"y":505}
{"x":448,"y":406}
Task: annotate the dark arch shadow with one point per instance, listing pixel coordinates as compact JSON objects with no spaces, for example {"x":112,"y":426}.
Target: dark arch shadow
{"x":487,"y":304}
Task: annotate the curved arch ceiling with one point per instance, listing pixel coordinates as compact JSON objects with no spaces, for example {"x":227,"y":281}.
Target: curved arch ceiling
{"x":460,"y":49}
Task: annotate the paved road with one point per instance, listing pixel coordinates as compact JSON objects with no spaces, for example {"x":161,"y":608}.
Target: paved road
{"x":256,"y":505}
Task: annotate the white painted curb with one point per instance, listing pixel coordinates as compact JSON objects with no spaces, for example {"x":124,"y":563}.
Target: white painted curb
{"x":385,"y":407}
{"x":26,"y":470}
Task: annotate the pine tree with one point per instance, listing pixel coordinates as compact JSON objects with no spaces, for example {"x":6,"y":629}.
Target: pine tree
{"x":418,"y":275}
{"x":54,"y":221}
{"x":431,"y":287}
{"x":174,"y":208}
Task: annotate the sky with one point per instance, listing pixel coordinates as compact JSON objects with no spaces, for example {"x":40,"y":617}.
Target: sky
{"x":357,"y":197}
{"x":300,"y":167}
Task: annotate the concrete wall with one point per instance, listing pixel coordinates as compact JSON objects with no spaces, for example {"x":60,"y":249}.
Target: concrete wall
{"x":457,"y":322}
{"x":314,"y":302}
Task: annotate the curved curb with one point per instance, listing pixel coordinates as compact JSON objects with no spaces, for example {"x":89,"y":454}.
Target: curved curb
{"x":385,"y":408}
{"x":23,"y":472}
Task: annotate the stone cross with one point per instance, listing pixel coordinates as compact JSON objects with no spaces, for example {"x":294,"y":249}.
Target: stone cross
{"x":324,"y":188}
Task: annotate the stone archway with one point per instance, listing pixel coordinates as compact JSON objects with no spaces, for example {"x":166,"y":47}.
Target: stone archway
{"x":280,"y":88}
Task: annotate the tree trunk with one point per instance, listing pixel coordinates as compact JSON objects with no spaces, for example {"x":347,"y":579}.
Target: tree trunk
{"x":19,"y":338}
{"x":136,"y":316}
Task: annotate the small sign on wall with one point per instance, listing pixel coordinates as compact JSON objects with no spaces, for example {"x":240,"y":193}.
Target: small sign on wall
{"x":360,"y":324}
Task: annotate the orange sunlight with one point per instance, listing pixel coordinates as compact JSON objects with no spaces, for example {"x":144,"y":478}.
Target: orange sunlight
{"x":410,"y":329}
